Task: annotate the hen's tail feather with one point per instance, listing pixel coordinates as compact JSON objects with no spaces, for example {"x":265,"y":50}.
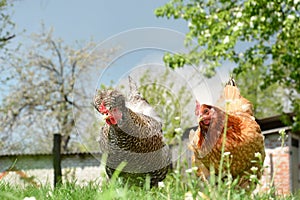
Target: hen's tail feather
{"x":231,"y":91}
{"x":231,"y":82}
{"x":134,"y":94}
{"x":235,"y":101}
{"x":133,"y":88}
{"x":139,"y":104}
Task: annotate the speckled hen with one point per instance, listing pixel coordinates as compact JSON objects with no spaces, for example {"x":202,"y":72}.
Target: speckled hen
{"x":133,"y":134}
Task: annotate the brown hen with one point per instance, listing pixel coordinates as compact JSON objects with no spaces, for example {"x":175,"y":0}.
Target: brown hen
{"x":244,"y":142}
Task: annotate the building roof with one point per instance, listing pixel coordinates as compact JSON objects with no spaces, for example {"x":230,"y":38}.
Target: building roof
{"x":273,"y":122}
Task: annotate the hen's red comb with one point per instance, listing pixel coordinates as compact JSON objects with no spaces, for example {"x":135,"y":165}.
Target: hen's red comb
{"x":102,"y":109}
{"x":197,"y":109}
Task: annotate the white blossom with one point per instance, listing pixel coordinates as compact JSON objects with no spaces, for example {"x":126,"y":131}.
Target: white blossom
{"x":254,"y":169}
{"x":177,"y":118}
{"x":291,"y":17}
{"x":257,"y":155}
{"x":270,"y":5}
{"x":178,"y":130}
{"x":206,"y":33}
{"x":239,"y":14}
{"x":253,"y":18}
{"x":226,"y":40}
{"x":253,"y":177}
{"x":161,"y":184}
{"x":238,"y":25}
{"x":29,"y":198}
{"x":251,"y":24}
{"x":190,"y":170}
{"x":278,"y":14}
{"x":190,"y":24}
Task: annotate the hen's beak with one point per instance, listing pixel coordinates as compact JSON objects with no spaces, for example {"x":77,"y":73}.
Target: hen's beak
{"x":105,"y":117}
{"x":200,"y":119}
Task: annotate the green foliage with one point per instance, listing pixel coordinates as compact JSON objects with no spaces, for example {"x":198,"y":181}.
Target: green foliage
{"x":266,"y":102}
{"x":253,"y":33}
{"x":169,"y":105}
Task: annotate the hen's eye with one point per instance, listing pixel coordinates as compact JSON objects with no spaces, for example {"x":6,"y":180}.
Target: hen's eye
{"x":205,"y":110}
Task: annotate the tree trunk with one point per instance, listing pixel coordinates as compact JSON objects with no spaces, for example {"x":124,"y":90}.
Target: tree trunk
{"x":57,"y":160}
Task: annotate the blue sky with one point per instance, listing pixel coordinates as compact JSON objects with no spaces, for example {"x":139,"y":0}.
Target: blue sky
{"x":79,"y":20}
{"x":101,"y":20}
{"x":108,"y":22}
{"x":104,"y":21}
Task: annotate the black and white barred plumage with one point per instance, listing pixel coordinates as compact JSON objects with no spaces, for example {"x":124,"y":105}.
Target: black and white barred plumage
{"x":134,"y":137}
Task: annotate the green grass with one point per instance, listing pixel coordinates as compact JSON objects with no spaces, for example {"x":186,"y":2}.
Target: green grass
{"x":176,"y":186}
{"x":179,"y":184}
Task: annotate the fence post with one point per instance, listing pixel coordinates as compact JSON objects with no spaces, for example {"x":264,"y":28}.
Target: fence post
{"x":57,"y":159}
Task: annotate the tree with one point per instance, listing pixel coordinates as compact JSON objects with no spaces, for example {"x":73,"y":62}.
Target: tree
{"x":171,"y":107}
{"x":251,"y":33}
{"x":40,"y":99}
{"x":264,"y":100}
{"x":6,"y":25}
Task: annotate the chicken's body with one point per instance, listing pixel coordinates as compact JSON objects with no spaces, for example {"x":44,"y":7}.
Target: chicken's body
{"x":133,"y":137}
{"x":243,"y":137}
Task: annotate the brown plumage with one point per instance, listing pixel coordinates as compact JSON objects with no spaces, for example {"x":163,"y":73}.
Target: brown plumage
{"x":132,"y":133}
{"x":243,"y":137}
{"x":236,"y":102}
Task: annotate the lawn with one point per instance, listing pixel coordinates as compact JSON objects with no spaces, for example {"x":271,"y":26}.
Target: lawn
{"x":181,"y":183}
{"x":177,"y":185}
